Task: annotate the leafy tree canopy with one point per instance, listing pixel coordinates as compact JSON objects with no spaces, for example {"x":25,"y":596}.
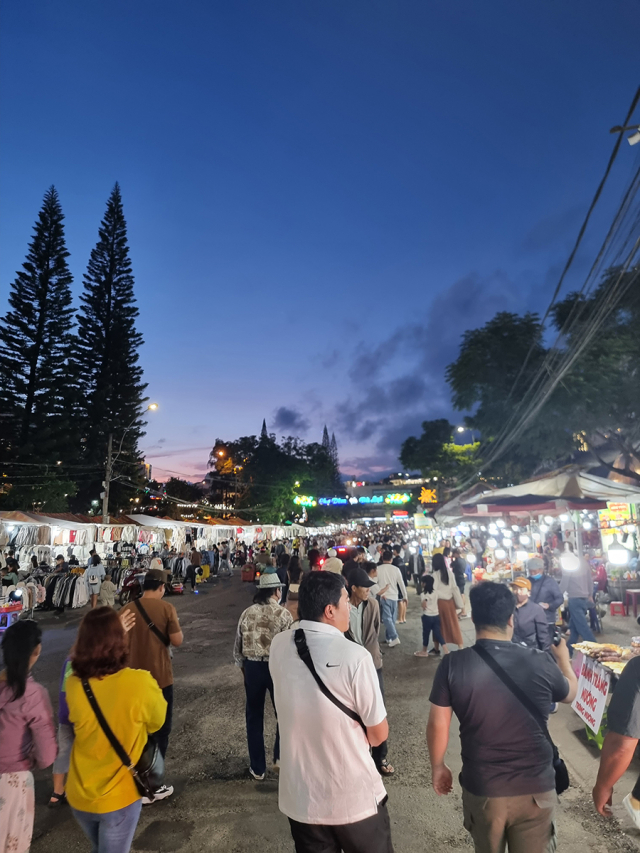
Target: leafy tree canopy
{"x":436,"y":455}
{"x":267,"y":474}
{"x":596,"y":404}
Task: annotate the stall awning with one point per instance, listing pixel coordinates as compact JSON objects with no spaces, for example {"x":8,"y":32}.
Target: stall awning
{"x":526,"y":504}
{"x":573,"y":486}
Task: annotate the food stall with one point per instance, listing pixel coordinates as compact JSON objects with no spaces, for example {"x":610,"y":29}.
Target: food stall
{"x":597,"y":667}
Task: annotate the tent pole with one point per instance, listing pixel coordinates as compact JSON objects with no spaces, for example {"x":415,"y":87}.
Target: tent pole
{"x":578,"y":531}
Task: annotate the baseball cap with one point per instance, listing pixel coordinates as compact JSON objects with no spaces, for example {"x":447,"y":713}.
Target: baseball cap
{"x":332,"y":552}
{"x":159,"y":575}
{"x":535,"y":564}
{"x":269,"y":580}
{"x":521,"y":583}
{"x":358,"y":577}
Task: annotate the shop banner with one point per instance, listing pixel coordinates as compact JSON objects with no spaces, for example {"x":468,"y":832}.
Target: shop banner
{"x":593,"y":686}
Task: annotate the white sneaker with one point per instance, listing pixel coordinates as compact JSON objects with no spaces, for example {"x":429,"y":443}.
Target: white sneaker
{"x":395,"y":642}
{"x":259,"y":777}
{"x":162,"y":793}
{"x":634,"y":813}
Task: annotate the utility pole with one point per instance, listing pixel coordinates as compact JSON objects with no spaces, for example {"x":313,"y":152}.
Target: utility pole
{"x":108,"y":474}
{"x":107,"y":481}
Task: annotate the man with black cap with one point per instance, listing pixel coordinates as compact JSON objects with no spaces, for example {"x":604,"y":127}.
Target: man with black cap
{"x":364,"y":627}
{"x":156,"y":629}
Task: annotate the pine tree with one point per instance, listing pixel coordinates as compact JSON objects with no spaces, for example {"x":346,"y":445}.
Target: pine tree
{"x":35,"y":345}
{"x":263,"y":431}
{"x":334,"y":450}
{"x":325,"y":439}
{"x":113,"y":391}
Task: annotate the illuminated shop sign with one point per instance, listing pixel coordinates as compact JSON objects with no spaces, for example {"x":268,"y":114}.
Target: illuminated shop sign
{"x":304,"y":500}
{"x":397,"y":499}
{"x":308,"y":500}
{"x":428,"y":496}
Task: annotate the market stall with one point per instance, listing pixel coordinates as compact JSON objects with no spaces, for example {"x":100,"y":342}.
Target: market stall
{"x":597,"y":667}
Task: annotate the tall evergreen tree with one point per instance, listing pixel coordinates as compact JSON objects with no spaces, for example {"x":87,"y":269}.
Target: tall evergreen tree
{"x":113,"y":390}
{"x":263,"y":431}
{"x":334,"y":450}
{"x":35,"y":344}
{"x":326,"y":443}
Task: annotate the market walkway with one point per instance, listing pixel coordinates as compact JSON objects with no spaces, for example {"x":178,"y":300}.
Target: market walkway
{"x":217,"y":807}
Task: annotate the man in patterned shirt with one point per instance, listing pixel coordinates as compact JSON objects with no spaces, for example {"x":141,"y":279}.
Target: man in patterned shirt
{"x":257,"y":627}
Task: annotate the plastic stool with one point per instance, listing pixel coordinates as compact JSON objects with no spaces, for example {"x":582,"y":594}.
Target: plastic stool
{"x":616,"y":608}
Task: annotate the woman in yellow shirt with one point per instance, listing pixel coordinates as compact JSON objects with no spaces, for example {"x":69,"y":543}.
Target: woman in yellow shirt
{"x":100,"y":789}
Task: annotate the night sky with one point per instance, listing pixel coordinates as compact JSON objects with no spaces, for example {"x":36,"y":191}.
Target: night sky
{"x":321,"y":196}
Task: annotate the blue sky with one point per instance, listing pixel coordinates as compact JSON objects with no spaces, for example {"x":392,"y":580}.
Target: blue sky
{"x":321,"y":196}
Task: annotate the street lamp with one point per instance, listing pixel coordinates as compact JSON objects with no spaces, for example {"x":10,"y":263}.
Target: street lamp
{"x":634,"y":138}
{"x":462,"y":429}
{"x":111,"y":461}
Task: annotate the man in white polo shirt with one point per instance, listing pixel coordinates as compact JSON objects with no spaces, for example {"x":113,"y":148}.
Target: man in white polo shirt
{"x":330,"y":788}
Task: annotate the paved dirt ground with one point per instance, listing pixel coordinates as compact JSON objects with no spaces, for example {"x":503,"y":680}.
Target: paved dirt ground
{"x":216,"y":806}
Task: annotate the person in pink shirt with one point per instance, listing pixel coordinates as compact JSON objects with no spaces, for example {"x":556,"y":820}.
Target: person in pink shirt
{"x":27,"y":734}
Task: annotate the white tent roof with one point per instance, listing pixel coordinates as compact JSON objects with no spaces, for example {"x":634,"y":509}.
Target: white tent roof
{"x":567,"y":483}
{"x":152,"y":521}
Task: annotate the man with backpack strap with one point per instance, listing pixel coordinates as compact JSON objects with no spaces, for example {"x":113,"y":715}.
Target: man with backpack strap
{"x":330,"y":711}
{"x":156,"y":630}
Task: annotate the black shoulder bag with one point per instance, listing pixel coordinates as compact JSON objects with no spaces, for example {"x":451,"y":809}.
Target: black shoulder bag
{"x":148,"y":773}
{"x":305,"y":655}
{"x":152,"y":626}
{"x":560,"y":768}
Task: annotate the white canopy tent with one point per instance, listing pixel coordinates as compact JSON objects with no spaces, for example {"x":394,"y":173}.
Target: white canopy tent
{"x":566,"y":484}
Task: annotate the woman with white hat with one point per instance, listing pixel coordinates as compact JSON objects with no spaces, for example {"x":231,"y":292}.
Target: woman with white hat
{"x":257,"y":627}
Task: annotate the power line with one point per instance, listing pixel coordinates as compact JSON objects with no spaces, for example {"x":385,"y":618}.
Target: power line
{"x":581,"y":233}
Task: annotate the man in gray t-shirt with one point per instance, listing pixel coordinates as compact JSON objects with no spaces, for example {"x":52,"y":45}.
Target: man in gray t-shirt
{"x":623,"y":721}
{"x":507,"y":778}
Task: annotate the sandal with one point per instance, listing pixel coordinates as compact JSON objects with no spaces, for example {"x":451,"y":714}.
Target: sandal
{"x":385,"y":768}
{"x":57,"y":800}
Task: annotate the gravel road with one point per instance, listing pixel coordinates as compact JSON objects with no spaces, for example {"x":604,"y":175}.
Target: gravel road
{"x":216,"y":806}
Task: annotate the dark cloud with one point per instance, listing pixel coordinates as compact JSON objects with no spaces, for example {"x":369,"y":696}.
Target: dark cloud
{"x":399,"y":382}
{"x":289,"y":421}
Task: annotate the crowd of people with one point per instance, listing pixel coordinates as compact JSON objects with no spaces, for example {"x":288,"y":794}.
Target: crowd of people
{"x":312,"y":641}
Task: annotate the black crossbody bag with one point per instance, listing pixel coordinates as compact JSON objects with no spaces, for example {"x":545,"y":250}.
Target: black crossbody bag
{"x":152,"y":626}
{"x":560,"y":768}
{"x":305,"y":655}
{"x":148,"y":773}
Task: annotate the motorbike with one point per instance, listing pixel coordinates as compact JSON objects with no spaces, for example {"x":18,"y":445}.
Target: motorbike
{"x":132,"y":586}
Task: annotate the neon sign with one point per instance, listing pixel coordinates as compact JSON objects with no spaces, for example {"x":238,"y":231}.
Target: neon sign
{"x":428,"y":496}
{"x":309,"y":500}
{"x":397,"y":499}
{"x":304,"y":500}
